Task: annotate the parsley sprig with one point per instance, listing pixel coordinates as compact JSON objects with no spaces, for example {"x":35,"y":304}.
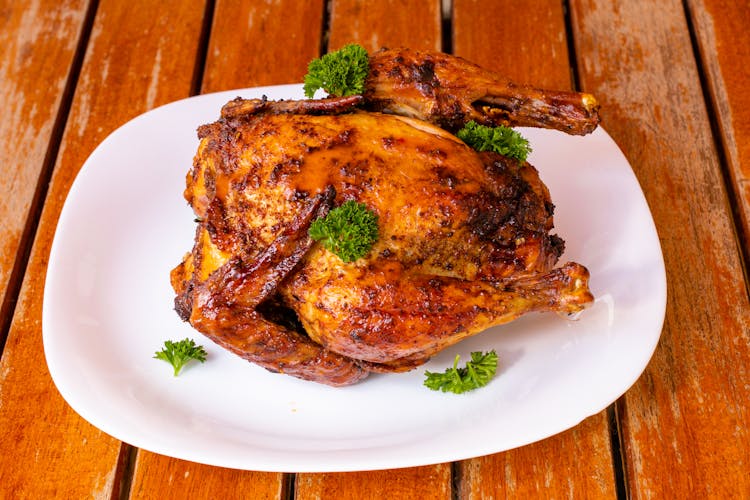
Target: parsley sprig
{"x":349,"y":230}
{"x":179,"y":353}
{"x":477,"y":373}
{"x":340,"y":73}
{"x":503,"y":140}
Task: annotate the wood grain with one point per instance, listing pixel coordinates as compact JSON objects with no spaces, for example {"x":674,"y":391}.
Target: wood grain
{"x":531,"y":49}
{"x":157,"y":476}
{"x":721,"y":28}
{"x":375,"y":24}
{"x":31,"y":34}
{"x":386,"y":23}
{"x":685,"y":422}
{"x":573,"y":464}
{"x":425,"y":483}
{"x":48,"y":450}
{"x":262,"y":43}
{"x":577,"y":463}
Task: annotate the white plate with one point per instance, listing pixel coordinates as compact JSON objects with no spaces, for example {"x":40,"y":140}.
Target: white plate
{"x":108,"y":308}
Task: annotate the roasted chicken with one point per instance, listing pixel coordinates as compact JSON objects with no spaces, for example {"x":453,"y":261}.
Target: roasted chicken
{"x":464,"y":242}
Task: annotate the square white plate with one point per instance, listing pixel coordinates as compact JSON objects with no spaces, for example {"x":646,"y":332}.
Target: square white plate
{"x":108,"y":307}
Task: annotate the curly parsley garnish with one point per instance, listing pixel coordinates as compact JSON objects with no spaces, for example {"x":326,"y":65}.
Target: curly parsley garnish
{"x":503,"y":140}
{"x":477,"y":373}
{"x":340,"y":73}
{"x":349,"y":230}
{"x":179,"y":353}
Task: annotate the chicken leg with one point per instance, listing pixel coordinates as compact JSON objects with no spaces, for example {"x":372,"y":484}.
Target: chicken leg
{"x":449,"y":91}
{"x":224,"y":309}
{"x":394,"y":317}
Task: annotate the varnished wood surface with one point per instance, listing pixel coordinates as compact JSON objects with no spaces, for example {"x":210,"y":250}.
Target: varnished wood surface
{"x":690,"y":411}
{"x":672,"y":78}
{"x":378,"y":24}
{"x":50,"y":452}
{"x":720,"y":26}
{"x":261,"y":43}
{"x":158,"y":476}
{"x":31,"y":92}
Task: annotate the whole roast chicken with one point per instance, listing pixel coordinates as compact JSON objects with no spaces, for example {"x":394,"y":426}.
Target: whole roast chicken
{"x":464,"y":237}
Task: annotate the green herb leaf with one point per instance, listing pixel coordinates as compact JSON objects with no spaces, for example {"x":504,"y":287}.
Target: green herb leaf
{"x":340,"y":73}
{"x":179,"y":353}
{"x":503,"y":140}
{"x":349,"y":231}
{"x":477,"y":373}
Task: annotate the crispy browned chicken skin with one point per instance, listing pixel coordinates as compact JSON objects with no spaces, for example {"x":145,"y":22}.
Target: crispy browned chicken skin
{"x":464,"y":240}
{"x":449,"y":91}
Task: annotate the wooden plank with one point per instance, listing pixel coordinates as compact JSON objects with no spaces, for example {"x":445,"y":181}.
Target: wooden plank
{"x":373,"y":25}
{"x":721,"y":32}
{"x":573,"y":464}
{"x":577,"y":463}
{"x":526,"y":42}
{"x":252,"y":43}
{"x":425,"y":483}
{"x":261,"y":43}
{"x":48,"y":450}
{"x":387,"y":23}
{"x":686,"y":421}
{"x":157,"y":476}
{"x":31,"y":90}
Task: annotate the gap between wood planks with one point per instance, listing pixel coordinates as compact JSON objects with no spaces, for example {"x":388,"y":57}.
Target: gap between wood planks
{"x":325,"y":27}
{"x":734,"y":196}
{"x":123,"y":481}
{"x":20,"y":263}
{"x":288,"y":486}
{"x":446,"y":26}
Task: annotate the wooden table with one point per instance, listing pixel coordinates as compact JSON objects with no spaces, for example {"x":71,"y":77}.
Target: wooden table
{"x":673,"y":78}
